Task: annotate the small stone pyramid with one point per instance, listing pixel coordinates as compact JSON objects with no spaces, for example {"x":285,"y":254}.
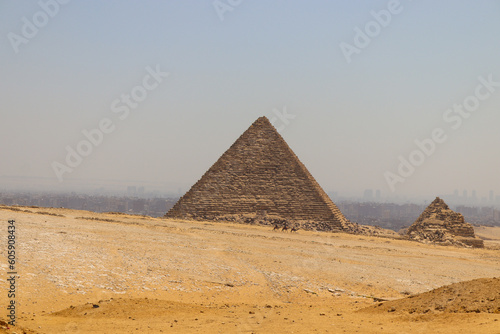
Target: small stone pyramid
{"x":439,"y":224}
{"x":260,"y":175}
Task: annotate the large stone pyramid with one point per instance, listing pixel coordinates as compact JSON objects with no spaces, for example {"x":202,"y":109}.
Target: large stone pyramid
{"x":260,"y":175}
{"x":439,"y":224}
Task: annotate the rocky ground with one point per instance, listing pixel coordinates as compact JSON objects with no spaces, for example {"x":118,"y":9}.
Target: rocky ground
{"x":475,"y":296}
{"x":82,"y":272}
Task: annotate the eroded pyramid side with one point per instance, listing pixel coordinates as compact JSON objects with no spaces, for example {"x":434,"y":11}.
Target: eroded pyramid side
{"x":259,"y":173}
{"x":439,"y":224}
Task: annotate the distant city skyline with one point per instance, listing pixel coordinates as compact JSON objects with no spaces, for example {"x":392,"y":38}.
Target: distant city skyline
{"x":468,"y":197}
{"x":390,"y":215}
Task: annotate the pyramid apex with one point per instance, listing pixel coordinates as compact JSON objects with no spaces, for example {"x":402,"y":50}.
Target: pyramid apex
{"x":439,"y":202}
{"x":263,"y":123}
{"x":262,"y":120}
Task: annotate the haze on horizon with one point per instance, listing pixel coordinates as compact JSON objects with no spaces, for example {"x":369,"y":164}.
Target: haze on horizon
{"x":353,"y":88}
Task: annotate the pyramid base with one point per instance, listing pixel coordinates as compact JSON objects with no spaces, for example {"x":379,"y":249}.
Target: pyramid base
{"x":472,"y":242}
{"x":444,"y":238}
{"x":268,"y":220}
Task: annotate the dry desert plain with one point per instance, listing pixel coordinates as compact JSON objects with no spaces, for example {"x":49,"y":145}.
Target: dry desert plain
{"x":85,"y":272}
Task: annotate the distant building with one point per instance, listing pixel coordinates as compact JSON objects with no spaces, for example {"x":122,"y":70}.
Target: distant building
{"x":131,"y":190}
{"x":368,"y":195}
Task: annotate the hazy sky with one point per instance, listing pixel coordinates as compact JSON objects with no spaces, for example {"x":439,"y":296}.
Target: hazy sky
{"x":363,"y":80}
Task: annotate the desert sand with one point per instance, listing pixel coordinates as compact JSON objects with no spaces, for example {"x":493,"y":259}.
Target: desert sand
{"x":84,"y":272}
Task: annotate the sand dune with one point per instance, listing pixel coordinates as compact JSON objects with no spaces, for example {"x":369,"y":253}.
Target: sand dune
{"x":479,"y":295}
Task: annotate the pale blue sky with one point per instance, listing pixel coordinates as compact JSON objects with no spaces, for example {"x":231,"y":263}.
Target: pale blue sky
{"x":352,"y":120}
